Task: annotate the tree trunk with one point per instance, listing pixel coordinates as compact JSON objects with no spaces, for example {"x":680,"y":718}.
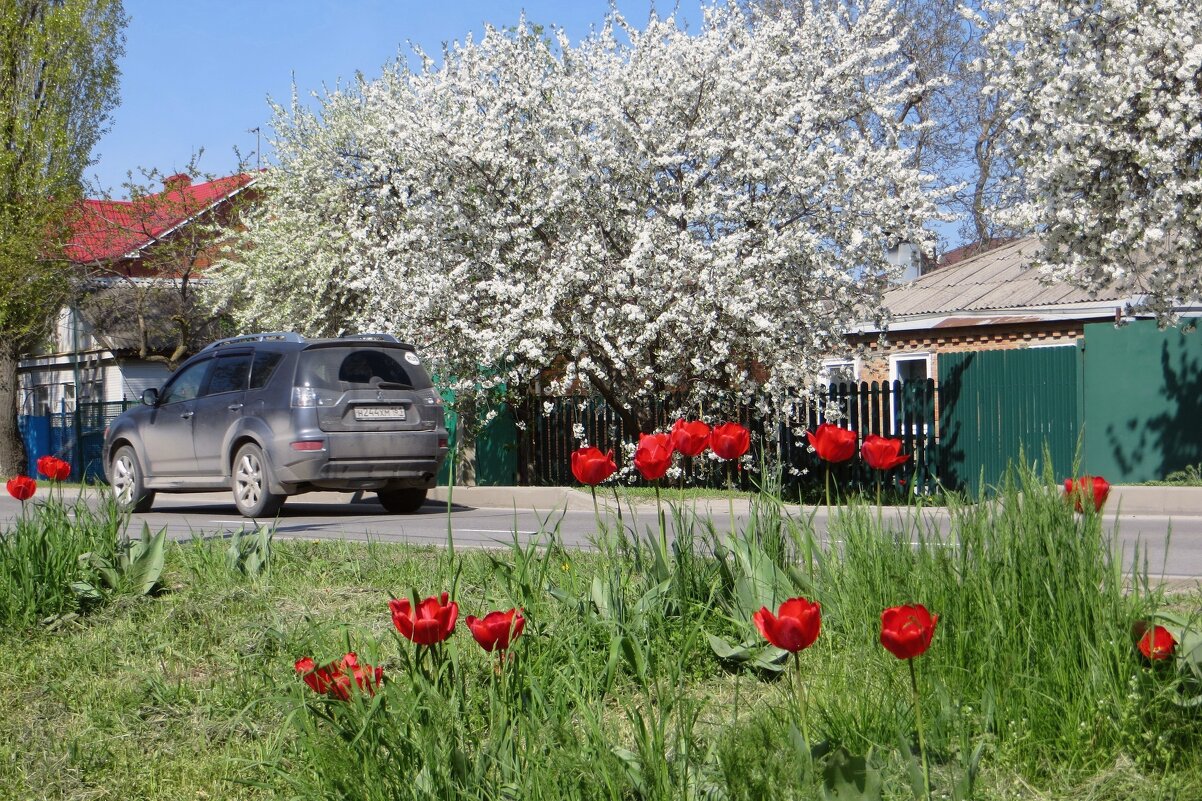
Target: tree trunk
{"x":12,"y":447}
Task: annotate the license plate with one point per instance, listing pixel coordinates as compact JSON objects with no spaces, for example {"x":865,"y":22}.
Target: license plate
{"x":380,"y":413}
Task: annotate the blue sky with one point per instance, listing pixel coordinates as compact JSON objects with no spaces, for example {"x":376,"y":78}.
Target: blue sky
{"x":197,"y":73}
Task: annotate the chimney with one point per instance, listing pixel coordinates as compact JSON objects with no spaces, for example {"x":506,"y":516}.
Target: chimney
{"x":908,"y":257}
{"x":176,"y":182}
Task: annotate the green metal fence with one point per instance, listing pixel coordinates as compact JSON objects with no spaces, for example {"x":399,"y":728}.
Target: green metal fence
{"x":994,"y":404}
{"x":1143,"y":400}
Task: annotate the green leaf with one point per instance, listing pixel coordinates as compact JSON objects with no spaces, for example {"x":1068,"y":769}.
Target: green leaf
{"x":632,"y":650}
{"x":913,"y":767}
{"x":611,"y":664}
{"x":652,"y":599}
{"x":851,"y":777}
{"x":724,"y":650}
{"x":601,"y":597}
{"x":147,"y":565}
{"x":962,"y":789}
{"x":83,"y":589}
{"x":759,"y":655}
{"x":633,"y":766}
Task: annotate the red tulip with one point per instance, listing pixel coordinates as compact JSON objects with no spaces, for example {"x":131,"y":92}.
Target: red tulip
{"x":1157,"y":643}
{"x":730,"y":441}
{"x":906,"y":631}
{"x":833,"y":444}
{"x":54,"y":468}
{"x":496,"y":630}
{"x":336,"y":678}
{"x":653,"y":456}
{"x":591,"y":466}
{"x":22,"y":487}
{"x":690,"y":438}
{"x":882,"y":453}
{"x":1095,"y":486}
{"x":793,"y":628}
{"x":433,"y":622}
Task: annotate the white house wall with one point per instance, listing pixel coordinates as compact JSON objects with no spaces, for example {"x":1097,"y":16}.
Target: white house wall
{"x":48,"y":382}
{"x":130,"y":379}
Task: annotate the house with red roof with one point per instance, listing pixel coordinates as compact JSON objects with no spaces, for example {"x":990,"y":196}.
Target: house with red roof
{"x":140,"y":265}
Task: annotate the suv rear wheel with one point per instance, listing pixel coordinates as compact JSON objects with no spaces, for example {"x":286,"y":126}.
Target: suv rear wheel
{"x":128,"y":487}
{"x":402,"y":501}
{"x":251,"y":482}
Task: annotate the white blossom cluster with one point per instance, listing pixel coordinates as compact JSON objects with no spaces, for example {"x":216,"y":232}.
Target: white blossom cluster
{"x":649,"y":210}
{"x":1105,"y":105}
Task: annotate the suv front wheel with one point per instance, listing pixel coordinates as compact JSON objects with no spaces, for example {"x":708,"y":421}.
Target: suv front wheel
{"x":402,"y":501}
{"x":128,"y":486}
{"x":251,"y":482}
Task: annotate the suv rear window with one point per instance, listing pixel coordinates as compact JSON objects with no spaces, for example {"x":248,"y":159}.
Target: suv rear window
{"x":347,"y":367}
{"x":264,"y":366}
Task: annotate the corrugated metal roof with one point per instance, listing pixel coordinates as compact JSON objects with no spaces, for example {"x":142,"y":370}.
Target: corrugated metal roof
{"x":104,"y":230}
{"x":996,"y":279}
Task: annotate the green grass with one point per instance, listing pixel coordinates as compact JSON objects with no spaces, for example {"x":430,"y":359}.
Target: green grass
{"x":647,"y":494}
{"x":1190,"y":476}
{"x":614,"y":690}
{"x":812,"y":496}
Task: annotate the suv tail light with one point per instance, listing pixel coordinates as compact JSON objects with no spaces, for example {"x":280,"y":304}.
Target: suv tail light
{"x":304,"y":397}
{"x":307,"y":397}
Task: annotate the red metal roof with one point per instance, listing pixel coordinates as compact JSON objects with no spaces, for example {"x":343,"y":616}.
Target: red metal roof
{"x":106,"y":230}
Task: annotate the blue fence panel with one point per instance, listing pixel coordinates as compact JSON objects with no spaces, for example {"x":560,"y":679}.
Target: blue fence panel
{"x":35,"y":432}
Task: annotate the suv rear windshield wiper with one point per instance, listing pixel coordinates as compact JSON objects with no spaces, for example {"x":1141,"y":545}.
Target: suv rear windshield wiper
{"x":391,"y":385}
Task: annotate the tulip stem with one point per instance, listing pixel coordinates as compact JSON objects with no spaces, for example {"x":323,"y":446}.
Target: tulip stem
{"x":738,"y":676}
{"x":828,"y":487}
{"x":618,"y":503}
{"x":663,"y":528}
{"x":450,"y":497}
{"x":799,"y":692}
{"x":922,"y":747}
{"x":596,"y":509}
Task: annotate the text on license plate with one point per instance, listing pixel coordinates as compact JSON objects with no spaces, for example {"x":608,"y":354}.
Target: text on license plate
{"x":379,"y":412}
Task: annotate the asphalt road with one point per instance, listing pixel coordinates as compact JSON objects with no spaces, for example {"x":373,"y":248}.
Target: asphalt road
{"x":1174,"y":557}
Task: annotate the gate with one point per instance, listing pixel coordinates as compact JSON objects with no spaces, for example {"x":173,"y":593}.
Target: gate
{"x":995,"y":403}
{"x":75,"y":436}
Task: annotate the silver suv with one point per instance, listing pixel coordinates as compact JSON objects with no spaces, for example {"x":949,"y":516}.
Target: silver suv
{"x":273,"y":415}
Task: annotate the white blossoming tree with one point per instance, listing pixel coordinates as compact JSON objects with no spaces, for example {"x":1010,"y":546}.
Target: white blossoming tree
{"x":1105,"y":124}
{"x":648,"y":211}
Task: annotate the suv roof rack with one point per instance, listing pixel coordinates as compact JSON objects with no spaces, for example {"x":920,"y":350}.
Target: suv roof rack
{"x":278,"y":336}
{"x":373,"y":337}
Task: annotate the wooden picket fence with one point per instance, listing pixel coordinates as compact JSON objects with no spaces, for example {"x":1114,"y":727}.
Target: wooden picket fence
{"x":907,"y":411}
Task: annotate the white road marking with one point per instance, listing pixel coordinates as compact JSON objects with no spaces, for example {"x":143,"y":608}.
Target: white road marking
{"x":493,"y":531}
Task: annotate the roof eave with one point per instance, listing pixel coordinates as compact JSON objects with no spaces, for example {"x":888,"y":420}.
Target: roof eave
{"x":1101,"y":309}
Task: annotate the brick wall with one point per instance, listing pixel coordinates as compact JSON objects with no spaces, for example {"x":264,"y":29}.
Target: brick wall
{"x":874,"y":360}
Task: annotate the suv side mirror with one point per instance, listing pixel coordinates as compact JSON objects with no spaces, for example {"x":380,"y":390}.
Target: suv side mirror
{"x":150,"y":397}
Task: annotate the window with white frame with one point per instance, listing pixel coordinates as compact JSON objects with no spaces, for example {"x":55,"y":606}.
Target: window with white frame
{"x":906,"y":367}
{"x":910,"y":367}
{"x":838,"y":371}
